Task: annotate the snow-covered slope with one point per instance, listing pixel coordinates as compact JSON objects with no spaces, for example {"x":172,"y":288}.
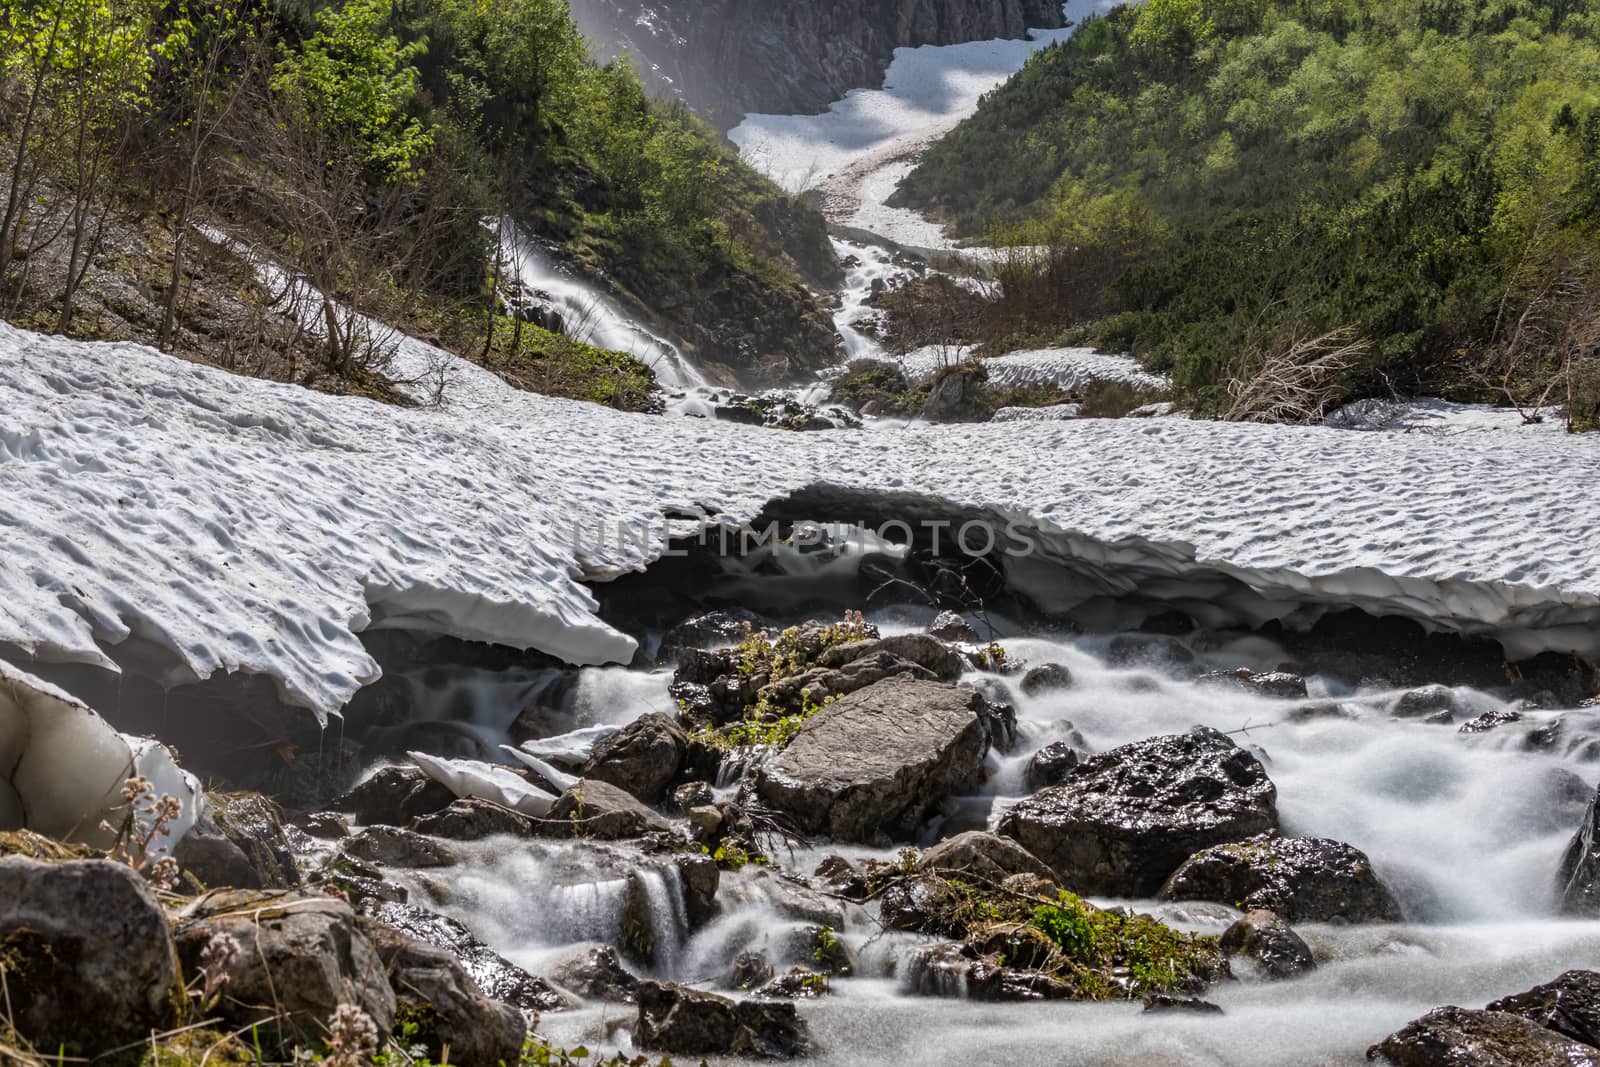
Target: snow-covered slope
{"x":857,"y":153}
{"x":245,"y":525}
{"x":1065,"y":368}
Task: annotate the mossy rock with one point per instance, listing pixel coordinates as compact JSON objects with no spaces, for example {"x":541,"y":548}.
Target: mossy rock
{"x":38,"y":847}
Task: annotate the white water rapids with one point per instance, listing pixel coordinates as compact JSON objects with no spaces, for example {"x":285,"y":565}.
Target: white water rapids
{"x":1467,"y":829}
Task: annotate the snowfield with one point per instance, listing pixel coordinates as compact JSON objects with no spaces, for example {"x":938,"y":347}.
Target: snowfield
{"x":1066,"y":368}
{"x":242,"y":525}
{"x":857,"y":153}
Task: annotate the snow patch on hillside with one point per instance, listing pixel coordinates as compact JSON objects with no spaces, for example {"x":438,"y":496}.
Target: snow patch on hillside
{"x":1066,"y":368}
{"x":243,"y":525}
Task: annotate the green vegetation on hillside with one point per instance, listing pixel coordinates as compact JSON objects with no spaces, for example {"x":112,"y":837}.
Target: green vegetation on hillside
{"x":362,"y":144}
{"x":1286,"y":203}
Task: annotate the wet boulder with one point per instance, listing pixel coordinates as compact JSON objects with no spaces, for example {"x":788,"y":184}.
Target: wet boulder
{"x":434,"y":991}
{"x":875,"y":764}
{"x":948,"y":626}
{"x":393,"y":796}
{"x":1427,"y":701}
{"x":713,"y":629}
{"x":296,"y":957}
{"x":1578,"y":877}
{"x":644,"y":757}
{"x":1302,"y":879}
{"x":91,"y":943}
{"x":1050,"y":766}
{"x":597,"y":974}
{"x":1490,"y":720}
{"x":1125,"y":820}
{"x":927,"y":652}
{"x":497,"y":977}
{"x":685,"y":1022}
{"x":390,"y":846}
{"x":1281,"y":684}
{"x":1460,"y":1036}
{"x":1570,"y":1006}
{"x":1046,"y":678}
{"x":471,"y":819}
{"x":602,"y":811}
{"x":700,"y":878}
{"x":239,"y":842}
{"x":962,"y":971}
{"x":983,"y":857}
{"x":1271,"y":943}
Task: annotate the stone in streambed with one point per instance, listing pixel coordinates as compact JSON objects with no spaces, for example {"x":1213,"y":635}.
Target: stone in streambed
{"x":1124,"y":820}
{"x":1271,"y":942}
{"x":1302,"y":879}
{"x":875,"y":764}
{"x":1569,"y":1005}
{"x":685,"y":1022}
{"x":1461,"y":1037}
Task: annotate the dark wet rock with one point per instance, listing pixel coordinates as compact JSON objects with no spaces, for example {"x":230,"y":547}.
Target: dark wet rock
{"x":497,"y":977}
{"x":919,"y":904}
{"x":841,"y":876}
{"x":1046,"y":678}
{"x":393,"y":796}
{"x":1302,"y":879}
{"x":1283,"y":684}
{"x":1490,"y":720}
{"x":1050,"y":766}
{"x":700,"y":878}
{"x":1163,"y":1002}
{"x":817,"y":685}
{"x":795,"y":901}
{"x":925,"y":651}
{"x":597,"y":974}
{"x":84,"y":940}
{"x":1428,"y":700}
{"x":1124,"y":820}
{"x":1460,"y":1037}
{"x":706,"y":821}
{"x":1545,"y":738}
{"x":390,"y":846}
{"x":692,"y":795}
{"x":1000,"y":723}
{"x":959,"y":971}
{"x":324,"y":825}
{"x":798,"y":983}
{"x":686,"y":1022}
{"x":1578,"y":877}
{"x":239,"y":842}
{"x":449,"y":1011}
{"x":1271,"y":942}
{"x":1440,"y":718}
{"x":602,"y":811}
{"x":644,"y":757}
{"x":1148,"y":650}
{"x":471,"y":819}
{"x":876,"y":763}
{"x":1569,"y":1005}
{"x":949,"y":626}
{"x":982,"y":857}
{"x":750,"y":970}
{"x":300,"y":955}
{"x":714,"y":629}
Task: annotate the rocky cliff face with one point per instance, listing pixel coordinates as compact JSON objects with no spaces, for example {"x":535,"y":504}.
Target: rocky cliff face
{"x":728,"y":58}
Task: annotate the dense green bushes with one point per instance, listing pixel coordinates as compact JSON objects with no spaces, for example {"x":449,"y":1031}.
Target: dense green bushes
{"x":1214,"y":183}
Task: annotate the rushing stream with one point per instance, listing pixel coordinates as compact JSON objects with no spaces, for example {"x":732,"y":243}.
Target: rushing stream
{"x":1467,"y":829}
